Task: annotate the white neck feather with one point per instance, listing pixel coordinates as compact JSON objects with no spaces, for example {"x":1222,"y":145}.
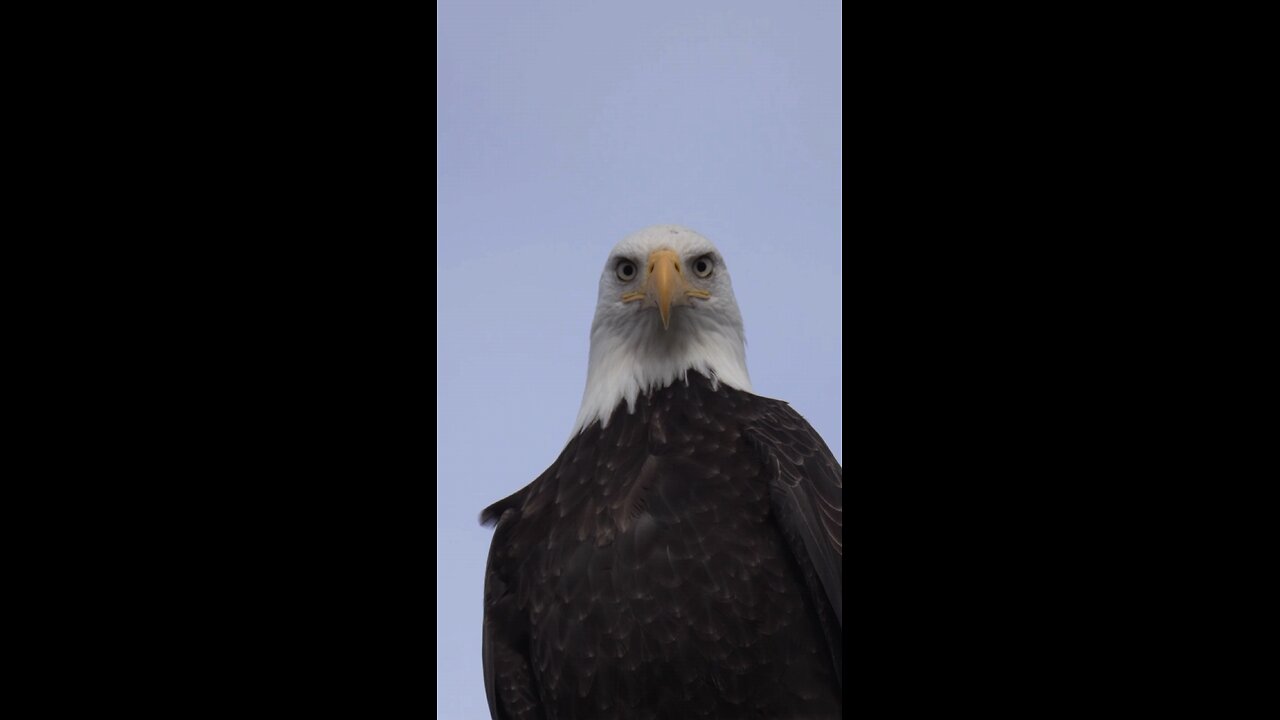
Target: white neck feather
{"x":632,"y":355}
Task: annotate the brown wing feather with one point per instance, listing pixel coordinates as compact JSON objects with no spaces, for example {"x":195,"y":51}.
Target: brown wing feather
{"x":807,"y":491}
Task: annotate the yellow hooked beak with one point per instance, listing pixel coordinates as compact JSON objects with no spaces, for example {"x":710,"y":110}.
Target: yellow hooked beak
{"x":667,"y":285}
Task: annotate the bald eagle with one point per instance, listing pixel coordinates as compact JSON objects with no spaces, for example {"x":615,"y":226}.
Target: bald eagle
{"x":681,"y":558}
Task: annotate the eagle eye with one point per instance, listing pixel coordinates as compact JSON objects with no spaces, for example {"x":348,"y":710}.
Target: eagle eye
{"x":626,"y":270}
{"x":702,"y":266}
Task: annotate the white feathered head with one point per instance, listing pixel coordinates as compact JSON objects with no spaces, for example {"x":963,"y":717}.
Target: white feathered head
{"x":666,"y":307}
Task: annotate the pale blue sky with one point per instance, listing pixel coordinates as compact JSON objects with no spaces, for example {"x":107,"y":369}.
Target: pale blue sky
{"x":563,"y":127}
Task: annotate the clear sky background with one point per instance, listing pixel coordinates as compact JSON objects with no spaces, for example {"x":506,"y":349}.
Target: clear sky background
{"x":564,"y":126}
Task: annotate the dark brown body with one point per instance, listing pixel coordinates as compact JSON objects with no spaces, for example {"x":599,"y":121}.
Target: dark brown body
{"x":683,"y":562}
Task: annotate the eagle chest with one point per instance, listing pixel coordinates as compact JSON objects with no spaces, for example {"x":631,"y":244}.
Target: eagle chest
{"x":669,"y":484}
{"x":664,"y":569}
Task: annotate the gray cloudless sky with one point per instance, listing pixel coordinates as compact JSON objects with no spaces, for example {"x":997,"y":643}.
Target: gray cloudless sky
{"x":561,"y":128}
